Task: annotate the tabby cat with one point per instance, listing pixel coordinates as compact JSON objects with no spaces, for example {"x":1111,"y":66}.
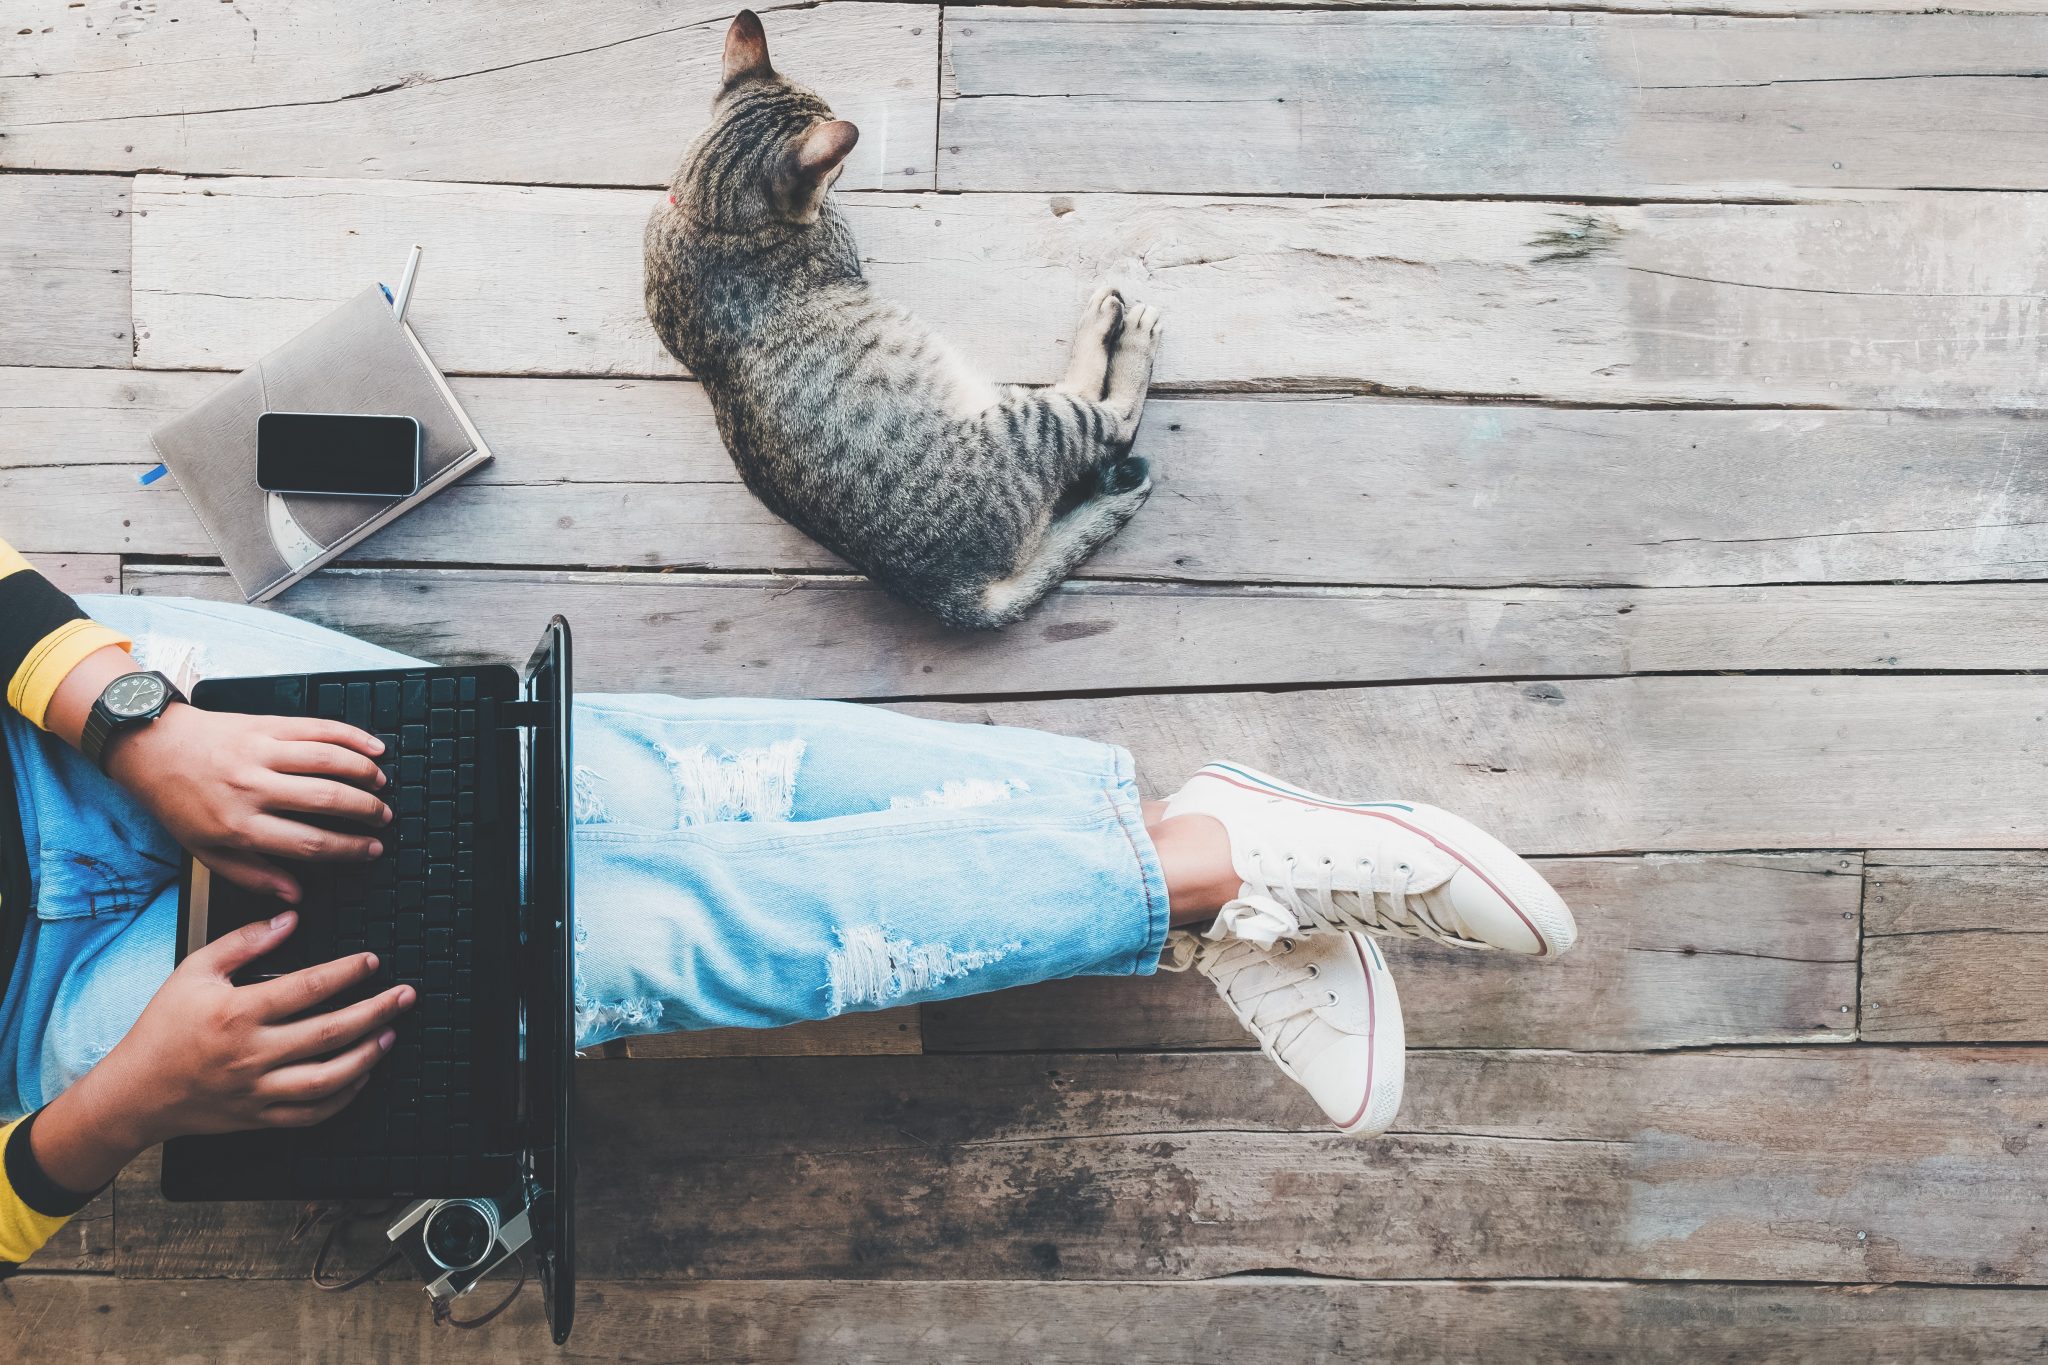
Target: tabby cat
{"x":848,"y":417}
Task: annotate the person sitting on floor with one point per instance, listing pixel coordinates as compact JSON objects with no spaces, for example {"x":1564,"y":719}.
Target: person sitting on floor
{"x":739,"y":863}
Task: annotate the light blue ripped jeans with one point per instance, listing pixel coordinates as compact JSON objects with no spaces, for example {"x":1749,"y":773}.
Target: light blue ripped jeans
{"x":738,"y":863}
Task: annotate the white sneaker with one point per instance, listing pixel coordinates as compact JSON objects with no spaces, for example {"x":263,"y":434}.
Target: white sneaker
{"x":1324,"y":1009}
{"x":1311,"y":864}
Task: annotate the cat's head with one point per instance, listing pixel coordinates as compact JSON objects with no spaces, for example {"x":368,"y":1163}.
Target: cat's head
{"x":773,"y":148}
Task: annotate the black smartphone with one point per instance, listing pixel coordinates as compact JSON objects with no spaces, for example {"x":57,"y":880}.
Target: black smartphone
{"x":338,"y":453}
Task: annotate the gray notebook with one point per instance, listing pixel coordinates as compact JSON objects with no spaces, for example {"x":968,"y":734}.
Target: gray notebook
{"x":358,"y":359}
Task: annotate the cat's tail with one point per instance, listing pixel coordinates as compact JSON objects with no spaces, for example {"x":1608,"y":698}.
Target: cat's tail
{"x":1072,"y":537}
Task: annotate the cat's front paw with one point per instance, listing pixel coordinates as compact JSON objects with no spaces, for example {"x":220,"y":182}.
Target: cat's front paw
{"x":1141,"y":328}
{"x":1102,"y":320}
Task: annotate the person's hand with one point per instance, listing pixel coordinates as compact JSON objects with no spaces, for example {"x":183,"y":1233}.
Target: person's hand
{"x":229,"y":788}
{"x":208,"y":1056}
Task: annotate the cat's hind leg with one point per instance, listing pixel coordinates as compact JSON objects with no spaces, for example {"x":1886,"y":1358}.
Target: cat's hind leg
{"x":1068,"y":540}
{"x":1095,"y":339}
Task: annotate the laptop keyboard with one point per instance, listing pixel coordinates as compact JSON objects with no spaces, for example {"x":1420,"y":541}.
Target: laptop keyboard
{"x":416,"y":907}
{"x":442,"y":1112}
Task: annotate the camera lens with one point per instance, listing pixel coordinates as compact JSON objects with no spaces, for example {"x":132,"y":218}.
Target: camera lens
{"x":460,"y":1233}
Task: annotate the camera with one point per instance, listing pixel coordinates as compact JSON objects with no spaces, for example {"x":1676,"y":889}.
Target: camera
{"x":453,"y":1243}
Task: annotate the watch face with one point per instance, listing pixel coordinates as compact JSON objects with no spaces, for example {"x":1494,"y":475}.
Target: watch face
{"x":138,"y":694}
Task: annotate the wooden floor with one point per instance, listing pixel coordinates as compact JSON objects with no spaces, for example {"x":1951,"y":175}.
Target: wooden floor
{"x":1622,"y":426}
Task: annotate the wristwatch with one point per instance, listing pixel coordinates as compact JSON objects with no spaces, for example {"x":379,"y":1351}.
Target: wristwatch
{"x":129,"y":702}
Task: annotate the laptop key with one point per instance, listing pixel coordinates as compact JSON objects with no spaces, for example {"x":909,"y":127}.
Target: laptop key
{"x":441,"y":752}
{"x":442,"y":691}
{"x":330,"y":701}
{"x":412,"y":739}
{"x":414,"y":707}
{"x":385,"y":706}
{"x":358,"y":709}
{"x":441,"y":721}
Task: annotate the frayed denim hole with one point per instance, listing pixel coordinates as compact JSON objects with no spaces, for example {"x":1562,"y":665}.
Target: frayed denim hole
{"x":869,"y":969}
{"x":744,"y":784}
{"x":963,"y":792}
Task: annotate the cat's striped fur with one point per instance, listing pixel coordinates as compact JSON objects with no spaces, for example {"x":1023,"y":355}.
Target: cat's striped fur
{"x":846,"y":415}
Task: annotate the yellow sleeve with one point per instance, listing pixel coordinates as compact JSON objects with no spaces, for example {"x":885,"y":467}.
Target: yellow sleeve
{"x":43,"y":635}
{"x":31,"y":1208}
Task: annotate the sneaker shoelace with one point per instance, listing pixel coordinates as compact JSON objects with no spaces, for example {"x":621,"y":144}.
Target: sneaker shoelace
{"x":1278,"y":1008}
{"x":1296,"y":899}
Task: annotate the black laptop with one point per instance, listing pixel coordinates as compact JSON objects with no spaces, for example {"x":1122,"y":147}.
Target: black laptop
{"x":470,"y":904}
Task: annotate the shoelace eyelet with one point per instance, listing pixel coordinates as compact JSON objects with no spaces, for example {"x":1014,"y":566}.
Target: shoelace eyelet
{"x":1286,"y":946}
{"x":1314,"y":970}
{"x":1330,"y":998}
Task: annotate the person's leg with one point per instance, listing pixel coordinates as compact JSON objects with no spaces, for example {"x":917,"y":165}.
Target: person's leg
{"x":758,"y":863}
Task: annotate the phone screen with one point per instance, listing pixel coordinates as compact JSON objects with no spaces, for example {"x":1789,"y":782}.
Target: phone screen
{"x":326,"y":452}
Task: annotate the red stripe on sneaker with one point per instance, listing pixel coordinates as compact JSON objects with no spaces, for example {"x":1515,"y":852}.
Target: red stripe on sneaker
{"x":1371,"y":1033}
{"x":1300,"y":798}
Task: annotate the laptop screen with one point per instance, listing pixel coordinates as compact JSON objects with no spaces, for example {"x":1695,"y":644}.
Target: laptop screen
{"x":550,"y":930}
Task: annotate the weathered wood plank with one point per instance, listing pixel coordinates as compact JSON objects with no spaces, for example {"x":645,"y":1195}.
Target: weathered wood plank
{"x":1832,"y":1164}
{"x":1955,"y":947}
{"x":841,"y":638}
{"x":1253,"y":1322}
{"x":1761,"y":8}
{"x":1303,"y":489}
{"x":80,"y":573}
{"x":1216,"y":101}
{"x":464,"y":91}
{"x":883,"y":1032}
{"x":1788,"y":303}
{"x":1676,"y":952}
{"x":64,"y":260}
{"x":1633,"y":764}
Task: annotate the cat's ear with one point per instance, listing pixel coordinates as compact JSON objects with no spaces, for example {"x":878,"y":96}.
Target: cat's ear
{"x":815,"y":165}
{"x":824,"y":147}
{"x":746,"y":48}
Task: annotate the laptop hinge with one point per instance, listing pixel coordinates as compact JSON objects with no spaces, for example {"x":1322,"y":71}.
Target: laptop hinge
{"x":514,"y":713}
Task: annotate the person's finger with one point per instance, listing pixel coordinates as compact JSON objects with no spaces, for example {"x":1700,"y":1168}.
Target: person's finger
{"x":318,"y":731}
{"x":318,"y":796}
{"x":285,"y":838}
{"x":231,"y":952}
{"x":326,"y":760}
{"x":296,"y":992}
{"x":306,"y":1115}
{"x":251,"y":872}
{"x":337,"y":1029}
{"x":311,"y":1082}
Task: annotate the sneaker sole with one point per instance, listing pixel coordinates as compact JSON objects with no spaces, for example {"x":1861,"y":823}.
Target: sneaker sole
{"x":1384,"y":1075}
{"x":1534,"y":901}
